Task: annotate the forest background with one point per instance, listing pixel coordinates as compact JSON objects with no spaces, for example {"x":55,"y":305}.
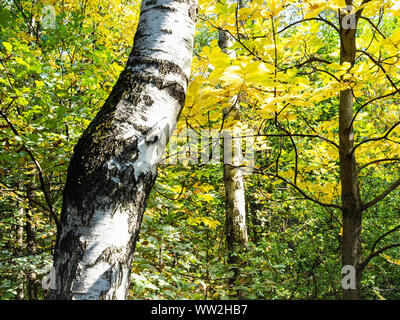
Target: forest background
{"x":58,"y":63}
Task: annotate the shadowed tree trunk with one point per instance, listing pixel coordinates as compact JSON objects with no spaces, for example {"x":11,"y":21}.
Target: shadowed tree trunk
{"x":114,"y":164}
{"x":235,"y":203}
{"x":350,"y":194}
{"x":20,"y":249}
{"x":27,"y":246}
{"x":30,"y":245}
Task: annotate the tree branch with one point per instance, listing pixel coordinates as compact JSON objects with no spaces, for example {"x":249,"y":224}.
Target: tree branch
{"x":377,"y":161}
{"x":377,"y":138}
{"x":382,"y":236}
{"x":370,"y":101}
{"x":310,"y":19}
{"x":38,"y":167}
{"x":379,"y":66}
{"x":381,"y":196}
{"x":302,"y":192}
{"x":374,"y":26}
{"x":373,"y":255}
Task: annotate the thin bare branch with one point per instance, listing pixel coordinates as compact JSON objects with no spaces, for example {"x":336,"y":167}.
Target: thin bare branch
{"x":381,"y":196}
{"x":39,"y":169}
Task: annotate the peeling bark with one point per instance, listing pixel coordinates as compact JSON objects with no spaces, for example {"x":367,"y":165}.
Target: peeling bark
{"x":114,"y":164}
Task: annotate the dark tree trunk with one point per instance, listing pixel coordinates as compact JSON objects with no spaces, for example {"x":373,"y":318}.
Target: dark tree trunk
{"x":350,"y":194}
{"x":30,"y":245}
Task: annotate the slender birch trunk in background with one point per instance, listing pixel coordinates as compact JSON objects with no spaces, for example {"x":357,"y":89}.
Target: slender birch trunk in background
{"x":235,"y":210}
{"x":20,"y":249}
{"x":114,"y":164}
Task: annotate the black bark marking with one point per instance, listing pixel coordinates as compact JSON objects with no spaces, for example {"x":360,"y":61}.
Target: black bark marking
{"x":192,"y":11}
{"x":148,"y":101}
{"x":169,"y":31}
{"x":163,"y":66}
{"x":173,"y":88}
{"x":161,"y":8}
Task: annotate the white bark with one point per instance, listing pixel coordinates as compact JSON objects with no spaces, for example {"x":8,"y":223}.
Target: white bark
{"x":114,"y":164}
{"x":235,"y":225}
{"x":235,"y":203}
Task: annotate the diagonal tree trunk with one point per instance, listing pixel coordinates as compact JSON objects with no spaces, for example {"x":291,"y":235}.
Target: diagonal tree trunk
{"x":235,"y":203}
{"x":114,"y":164}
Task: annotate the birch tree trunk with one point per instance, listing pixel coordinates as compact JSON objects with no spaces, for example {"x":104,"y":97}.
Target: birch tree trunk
{"x":20,"y":249}
{"x":114,"y":164}
{"x":350,"y":194}
{"x":235,"y":203}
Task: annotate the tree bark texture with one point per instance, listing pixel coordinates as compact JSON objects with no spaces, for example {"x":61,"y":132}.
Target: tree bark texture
{"x":350,"y":193}
{"x":32,"y":282}
{"x":20,"y":249}
{"x":114,"y":164}
{"x":235,"y":203}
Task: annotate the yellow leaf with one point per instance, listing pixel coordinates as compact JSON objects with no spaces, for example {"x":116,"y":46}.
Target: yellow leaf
{"x":269,"y":108}
{"x":244,"y":13}
{"x":219,"y":59}
{"x":231,"y":77}
{"x":8,"y":46}
{"x":117,"y":67}
{"x":311,"y":14}
{"x":380,"y":297}
{"x":210,"y":222}
{"x":22,"y":62}
{"x":338,"y":4}
{"x":257,"y":71}
{"x":39,"y":84}
{"x":206,"y":220}
{"x":391,"y":260}
{"x":314,"y":8}
{"x":395,"y":10}
{"x":206,"y":197}
{"x":205,"y":188}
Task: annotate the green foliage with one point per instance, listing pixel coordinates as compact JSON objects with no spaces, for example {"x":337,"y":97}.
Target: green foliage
{"x":53,"y":81}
